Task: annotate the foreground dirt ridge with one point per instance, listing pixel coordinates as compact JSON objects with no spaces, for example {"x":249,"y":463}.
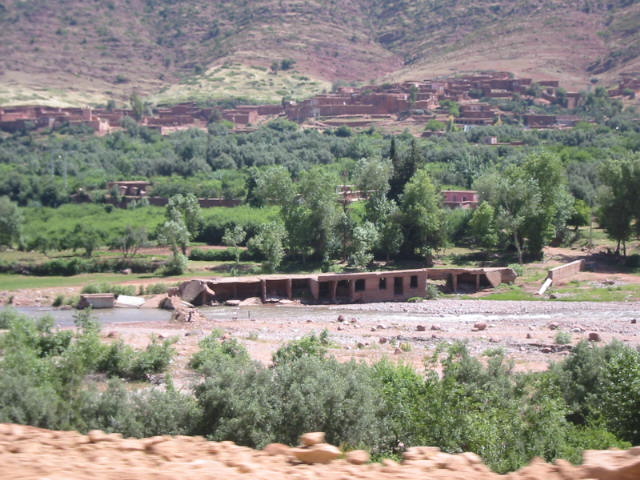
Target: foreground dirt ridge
{"x":34,"y":453}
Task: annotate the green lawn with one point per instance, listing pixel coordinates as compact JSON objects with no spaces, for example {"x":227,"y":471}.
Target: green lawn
{"x":589,"y":293}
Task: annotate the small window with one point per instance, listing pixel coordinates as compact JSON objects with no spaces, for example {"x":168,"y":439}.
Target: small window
{"x":360,"y":285}
{"x":413,"y":281}
{"x":382,"y":284}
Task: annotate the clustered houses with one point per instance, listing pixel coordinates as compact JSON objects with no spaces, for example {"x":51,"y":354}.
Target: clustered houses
{"x":358,"y":107}
{"x":135,"y":190}
{"x":628,"y":86}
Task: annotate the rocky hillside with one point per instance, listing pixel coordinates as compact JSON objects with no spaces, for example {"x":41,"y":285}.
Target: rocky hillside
{"x":93,"y":50}
{"x":33,"y":453}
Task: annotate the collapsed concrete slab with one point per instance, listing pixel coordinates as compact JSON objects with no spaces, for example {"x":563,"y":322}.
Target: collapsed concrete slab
{"x":196,"y":292}
{"x":128,"y":301}
{"x":96,"y":300}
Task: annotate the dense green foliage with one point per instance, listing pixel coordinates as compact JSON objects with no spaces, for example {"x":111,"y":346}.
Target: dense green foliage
{"x":535,"y":190}
{"x":590,"y":400}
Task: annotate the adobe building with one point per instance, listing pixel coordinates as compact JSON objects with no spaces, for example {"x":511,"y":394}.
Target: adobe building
{"x":396,"y":285}
{"x":384,"y":286}
{"x":539,"y":121}
{"x":461,"y":198}
{"x":476,"y":114}
{"x":130,"y":188}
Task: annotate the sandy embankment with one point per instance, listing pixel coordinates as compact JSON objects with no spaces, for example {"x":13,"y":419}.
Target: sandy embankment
{"x":29,"y":453}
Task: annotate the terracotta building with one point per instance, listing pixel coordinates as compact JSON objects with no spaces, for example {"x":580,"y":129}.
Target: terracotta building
{"x":461,"y":198}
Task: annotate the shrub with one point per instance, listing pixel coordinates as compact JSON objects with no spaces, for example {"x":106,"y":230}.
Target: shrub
{"x":633,"y":261}
{"x":153,"y":289}
{"x":110,"y":288}
{"x":255,"y":406}
{"x":176,"y":266}
{"x":153,"y":359}
{"x":308,"y":346}
{"x":563,"y":338}
{"x":432,"y":292}
{"x":516,"y":267}
{"x":9,"y":315}
{"x":140,"y":413}
{"x":123,"y":361}
{"x":59,"y":300}
{"x":220,"y":255}
{"x":214,"y":351}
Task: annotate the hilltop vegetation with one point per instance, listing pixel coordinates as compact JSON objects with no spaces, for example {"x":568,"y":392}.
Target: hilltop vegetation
{"x":77,"y":52}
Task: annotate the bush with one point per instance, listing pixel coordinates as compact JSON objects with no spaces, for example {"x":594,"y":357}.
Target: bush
{"x":110,"y":288}
{"x":221,"y":255}
{"x":563,"y":338}
{"x":432,"y":292}
{"x":255,"y":406}
{"x":215,"y":351}
{"x":153,"y":289}
{"x":176,"y":266}
{"x":633,"y":261}
{"x":140,"y":413}
{"x":59,"y":300}
{"x":123,"y":361}
{"x":9,"y":315}
{"x":75,"y":266}
{"x":516,"y":267}
{"x":308,"y":346}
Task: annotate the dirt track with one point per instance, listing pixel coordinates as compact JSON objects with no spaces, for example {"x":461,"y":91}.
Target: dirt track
{"x":37,"y":454}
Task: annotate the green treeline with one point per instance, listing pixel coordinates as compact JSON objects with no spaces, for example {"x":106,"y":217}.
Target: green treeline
{"x":56,"y":379}
{"x":538,"y":186}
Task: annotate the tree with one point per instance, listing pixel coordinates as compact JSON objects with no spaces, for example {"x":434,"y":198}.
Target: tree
{"x":273,"y":186}
{"x":517,"y":199}
{"x":581,"y":215}
{"x":85,"y":237}
{"x":403,"y":169}
{"x":372,"y":176}
{"x":365,"y":237}
{"x":186,"y":208}
{"x":531,"y":201}
{"x":554,"y":208}
{"x":131,"y":240}
{"x":618,"y":199}
{"x":139,"y":107}
{"x":434,"y":125}
{"x":386,"y":217}
{"x":233,"y":237}
{"x":310,"y":216}
{"x":174,"y":234}
{"x":422,"y":217}
{"x":483,"y":226}
{"x":270,"y":242}
{"x":10,"y":223}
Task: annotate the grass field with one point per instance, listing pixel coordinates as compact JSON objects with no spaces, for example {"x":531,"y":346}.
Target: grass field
{"x":237,"y":80}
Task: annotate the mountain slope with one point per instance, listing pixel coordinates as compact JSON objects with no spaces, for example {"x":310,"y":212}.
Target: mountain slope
{"x":93,"y":50}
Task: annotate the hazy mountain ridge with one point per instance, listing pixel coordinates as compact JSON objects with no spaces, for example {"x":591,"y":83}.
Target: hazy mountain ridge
{"x":102,"y":49}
